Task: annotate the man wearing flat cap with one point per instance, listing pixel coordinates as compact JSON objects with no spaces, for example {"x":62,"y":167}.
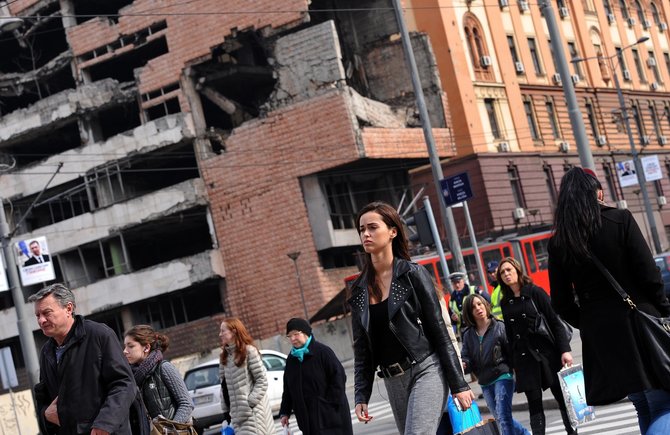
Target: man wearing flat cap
{"x":314,"y":385}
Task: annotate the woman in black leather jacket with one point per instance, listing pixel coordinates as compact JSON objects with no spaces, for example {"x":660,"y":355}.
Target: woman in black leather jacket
{"x":398,"y":329}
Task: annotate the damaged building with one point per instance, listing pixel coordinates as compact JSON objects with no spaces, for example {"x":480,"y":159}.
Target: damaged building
{"x":174,"y":154}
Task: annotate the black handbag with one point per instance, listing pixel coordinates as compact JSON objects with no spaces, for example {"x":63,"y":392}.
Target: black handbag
{"x":542,"y":328}
{"x":652,"y":333}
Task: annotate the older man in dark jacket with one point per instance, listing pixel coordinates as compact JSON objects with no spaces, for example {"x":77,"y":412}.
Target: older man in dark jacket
{"x":314,"y":383}
{"x":86,"y":385}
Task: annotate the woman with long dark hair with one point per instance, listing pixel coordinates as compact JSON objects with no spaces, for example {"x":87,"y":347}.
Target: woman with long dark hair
{"x":241,"y":369}
{"x":585,"y":228}
{"x":162,"y":387}
{"x":536,"y":358}
{"x":398,"y":329}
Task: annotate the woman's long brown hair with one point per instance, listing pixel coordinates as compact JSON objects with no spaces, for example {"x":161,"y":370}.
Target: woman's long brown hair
{"x":242,"y":339}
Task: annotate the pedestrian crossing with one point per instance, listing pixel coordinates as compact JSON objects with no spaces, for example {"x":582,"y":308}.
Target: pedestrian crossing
{"x":381,"y":424}
{"x":618,"y":419}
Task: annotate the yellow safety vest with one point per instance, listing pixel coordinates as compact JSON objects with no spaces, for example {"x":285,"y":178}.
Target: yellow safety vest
{"x":496,"y":297}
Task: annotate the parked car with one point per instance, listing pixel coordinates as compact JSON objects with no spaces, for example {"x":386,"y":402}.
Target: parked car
{"x":204,"y":387}
{"x":663,"y":263}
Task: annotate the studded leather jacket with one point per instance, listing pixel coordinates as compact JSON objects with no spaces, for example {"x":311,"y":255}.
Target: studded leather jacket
{"x":415,"y":318}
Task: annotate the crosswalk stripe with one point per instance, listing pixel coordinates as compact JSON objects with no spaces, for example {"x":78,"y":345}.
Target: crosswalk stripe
{"x":617,"y":419}
{"x":382,"y":411}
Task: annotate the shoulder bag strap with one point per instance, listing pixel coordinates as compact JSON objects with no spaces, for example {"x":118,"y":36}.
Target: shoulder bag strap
{"x":615,"y":284}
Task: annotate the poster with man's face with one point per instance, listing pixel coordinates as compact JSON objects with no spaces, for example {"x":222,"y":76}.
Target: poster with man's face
{"x":32,"y":255}
{"x":626,"y":172}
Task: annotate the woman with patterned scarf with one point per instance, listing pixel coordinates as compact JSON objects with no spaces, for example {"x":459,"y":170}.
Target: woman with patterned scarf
{"x":162,"y":387}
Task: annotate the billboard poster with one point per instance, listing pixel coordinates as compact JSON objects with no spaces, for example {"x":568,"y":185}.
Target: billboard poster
{"x":34,"y":260}
{"x":627,"y":175}
{"x":626,"y":172}
{"x":652,"y":168}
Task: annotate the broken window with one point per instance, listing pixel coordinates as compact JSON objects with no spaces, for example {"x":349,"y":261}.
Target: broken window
{"x":195,"y":302}
{"x":236,"y":82}
{"x":148,"y":43}
{"x":94,"y":261}
{"x":109,"y":184}
{"x":87,"y":9}
{"x":34,"y":148}
{"x":118,"y":119}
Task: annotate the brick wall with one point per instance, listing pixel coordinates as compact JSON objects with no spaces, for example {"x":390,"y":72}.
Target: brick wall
{"x":259,"y":212}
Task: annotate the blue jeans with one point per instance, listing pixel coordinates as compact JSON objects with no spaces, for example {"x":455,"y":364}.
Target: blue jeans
{"x":498,"y":397}
{"x":653,"y":411}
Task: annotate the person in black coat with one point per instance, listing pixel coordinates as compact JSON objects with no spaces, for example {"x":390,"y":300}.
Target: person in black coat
{"x":86,"y":385}
{"x":535,"y":358}
{"x":314,"y":385}
{"x":613,"y":366}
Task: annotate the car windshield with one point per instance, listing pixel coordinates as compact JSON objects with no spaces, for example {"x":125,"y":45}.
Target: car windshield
{"x":202,"y":377}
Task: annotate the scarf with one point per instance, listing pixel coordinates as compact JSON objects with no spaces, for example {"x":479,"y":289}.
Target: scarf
{"x":146,"y":366}
{"x":300,"y":352}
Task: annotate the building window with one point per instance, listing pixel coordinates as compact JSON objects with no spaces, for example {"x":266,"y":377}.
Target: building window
{"x":489,"y":103}
{"x":654,"y":67}
{"x":608,"y":7}
{"x":530,"y":117}
{"x":638,"y":65}
{"x":637,"y":117}
{"x":474,"y":36}
{"x":654,"y":119}
{"x":666,"y":114}
{"x":572,"y":47}
{"x":535,"y":56}
{"x":622,"y":61}
{"x":553,"y":120}
{"x":611,"y":185}
{"x":666,"y":58}
{"x":640,"y":11}
{"x":517,"y":189}
{"x":551,"y":183}
{"x":658,"y":187}
{"x":512,"y":48}
{"x":593,"y":123}
{"x":654,"y":13}
{"x":624,"y":9}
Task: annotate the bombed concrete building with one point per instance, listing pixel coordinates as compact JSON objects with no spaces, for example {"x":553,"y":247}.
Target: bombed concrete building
{"x":174,"y":154}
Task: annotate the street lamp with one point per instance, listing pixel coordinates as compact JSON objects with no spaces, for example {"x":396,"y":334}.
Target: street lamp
{"x":639,"y":171}
{"x":294,"y":256}
{"x":9,"y":24}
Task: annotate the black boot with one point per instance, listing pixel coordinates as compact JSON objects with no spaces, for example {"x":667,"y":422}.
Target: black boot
{"x":566,"y":422}
{"x":537,"y":424}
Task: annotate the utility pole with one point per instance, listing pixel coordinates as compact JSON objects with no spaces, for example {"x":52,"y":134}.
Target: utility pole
{"x":25,"y":331}
{"x":576,"y":119}
{"x":447,"y":215}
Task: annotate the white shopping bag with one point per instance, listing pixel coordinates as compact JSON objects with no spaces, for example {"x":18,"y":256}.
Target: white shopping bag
{"x":574,"y":395}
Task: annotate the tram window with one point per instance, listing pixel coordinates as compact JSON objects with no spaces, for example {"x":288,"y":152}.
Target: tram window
{"x":530,"y":257}
{"x":471,"y":268}
{"x":542,"y":253}
{"x":507,"y":252}
{"x":493,"y":255}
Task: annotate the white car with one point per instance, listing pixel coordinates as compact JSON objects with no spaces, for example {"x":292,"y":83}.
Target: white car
{"x":204,"y":386}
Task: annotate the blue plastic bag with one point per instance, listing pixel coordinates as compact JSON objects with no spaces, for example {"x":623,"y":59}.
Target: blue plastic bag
{"x":462,"y":421}
{"x":227,"y":430}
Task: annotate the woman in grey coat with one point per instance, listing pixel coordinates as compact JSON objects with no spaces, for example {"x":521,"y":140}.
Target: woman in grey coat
{"x":242,"y":370}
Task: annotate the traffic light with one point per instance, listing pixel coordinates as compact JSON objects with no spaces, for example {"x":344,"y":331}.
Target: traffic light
{"x":422,"y":234}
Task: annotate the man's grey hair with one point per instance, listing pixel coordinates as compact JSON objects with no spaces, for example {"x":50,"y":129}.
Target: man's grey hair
{"x":62,"y":294}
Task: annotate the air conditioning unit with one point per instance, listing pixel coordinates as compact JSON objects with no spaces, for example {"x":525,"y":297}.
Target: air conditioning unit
{"x":662,"y":140}
{"x":646,"y":24}
{"x":610,"y":18}
{"x":651,"y":61}
{"x":575,"y":78}
{"x":626,"y":75}
{"x":631,"y":22}
{"x":602,"y":140}
{"x":523,"y":6}
{"x":556,"y":78}
{"x":504,"y":147}
{"x":503,"y":3}
{"x":661,"y":200}
{"x":622,"y":204}
{"x":519,"y":67}
{"x":563,"y":12}
{"x":645,"y":140}
{"x":485,"y":61}
{"x":663,"y":27}
{"x":519,"y":213}
{"x":564,"y":147}
{"x":653,"y":86}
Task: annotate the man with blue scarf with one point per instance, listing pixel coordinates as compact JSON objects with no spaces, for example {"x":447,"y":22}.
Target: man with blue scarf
{"x":314,"y":385}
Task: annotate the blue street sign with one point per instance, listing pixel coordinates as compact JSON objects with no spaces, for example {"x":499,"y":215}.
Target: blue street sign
{"x":456,"y":188}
